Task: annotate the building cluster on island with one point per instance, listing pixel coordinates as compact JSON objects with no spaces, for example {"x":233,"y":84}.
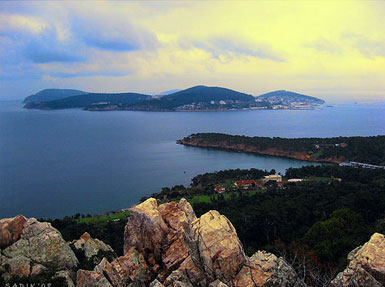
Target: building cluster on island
{"x":251,"y":184}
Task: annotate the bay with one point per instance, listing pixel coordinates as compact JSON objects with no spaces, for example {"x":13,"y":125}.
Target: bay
{"x":57,"y":163}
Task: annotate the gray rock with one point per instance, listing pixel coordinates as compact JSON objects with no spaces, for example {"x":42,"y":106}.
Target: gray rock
{"x":40,"y":248}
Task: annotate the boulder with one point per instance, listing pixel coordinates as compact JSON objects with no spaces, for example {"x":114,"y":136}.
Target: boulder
{"x":69,"y":277}
{"x":93,"y":249}
{"x":217,"y":283}
{"x":40,"y":248}
{"x":87,"y":278}
{"x":158,"y":232}
{"x":128,"y":270}
{"x":10,"y":230}
{"x":145,"y":229}
{"x":366,"y":265}
{"x":220,"y":250}
{"x":265,"y":269}
{"x":156,"y":283}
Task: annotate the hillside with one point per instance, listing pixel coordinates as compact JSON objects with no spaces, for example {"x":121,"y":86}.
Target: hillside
{"x":52,"y":95}
{"x":198,"y":97}
{"x":283,"y":97}
{"x":98,"y":100}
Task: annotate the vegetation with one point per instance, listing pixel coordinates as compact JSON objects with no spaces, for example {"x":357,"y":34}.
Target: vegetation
{"x":102,"y":218}
{"x":200,"y":97}
{"x":361,"y":149}
{"x":52,"y":95}
{"x":87,"y":100}
{"x":110,"y":232}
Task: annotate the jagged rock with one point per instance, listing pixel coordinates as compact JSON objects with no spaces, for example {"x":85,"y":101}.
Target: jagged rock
{"x":177,"y":279}
{"x":128,"y":270}
{"x":19,"y":265}
{"x":366,"y":265}
{"x":188,"y":210}
{"x":165,"y":246}
{"x":10,"y":230}
{"x":220,"y":250}
{"x":265,"y":269}
{"x":40,"y":248}
{"x":91,"y":279}
{"x":217,"y":283}
{"x":156,"y":283}
{"x":158,"y":232}
{"x":69,"y":277}
{"x":94,"y":249}
{"x":145,"y":229}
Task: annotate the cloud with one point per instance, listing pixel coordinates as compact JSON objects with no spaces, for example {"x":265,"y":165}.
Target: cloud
{"x":88,"y":74}
{"x":116,"y":36}
{"x":367,"y":47}
{"x":38,"y":52}
{"x":324,"y":45}
{"x":230,"y":48}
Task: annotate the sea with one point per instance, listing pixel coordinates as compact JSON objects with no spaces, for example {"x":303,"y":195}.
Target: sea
{"x":63,"y":162}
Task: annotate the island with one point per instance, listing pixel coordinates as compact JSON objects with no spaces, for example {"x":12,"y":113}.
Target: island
{"x":351,"y":151}
{"x":198,"y":98}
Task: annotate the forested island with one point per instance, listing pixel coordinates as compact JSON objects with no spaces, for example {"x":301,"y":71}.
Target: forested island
{"x":198,"y":98}
{"x":369,"y":150}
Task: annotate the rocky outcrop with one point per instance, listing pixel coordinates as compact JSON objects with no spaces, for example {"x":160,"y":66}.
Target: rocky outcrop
{"x":92,"y":249}
{"x":366,"y":265}
{"x":167,"y":246}
{"x":265,"y":269}
{"x":220,"y":250}
{"x":10,"y":230}
{"x":39,"y":249}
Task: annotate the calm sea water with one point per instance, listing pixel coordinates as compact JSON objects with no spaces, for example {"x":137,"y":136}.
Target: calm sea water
{"x":56,"y":163}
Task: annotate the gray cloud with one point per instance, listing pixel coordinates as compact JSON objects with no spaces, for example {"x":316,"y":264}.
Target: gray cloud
{"x":230,"y":48}
{"x":323,"y":45}
{"x":113,"y":36}
{"x":365,"y":46}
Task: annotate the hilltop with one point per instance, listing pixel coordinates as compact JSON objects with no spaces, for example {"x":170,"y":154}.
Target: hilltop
{"x":52,"y":95}
{"x":199,"y":98}
{"x":290,"y":99}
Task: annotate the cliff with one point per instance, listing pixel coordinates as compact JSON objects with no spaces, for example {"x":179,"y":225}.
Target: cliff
{"x":165,"y":246}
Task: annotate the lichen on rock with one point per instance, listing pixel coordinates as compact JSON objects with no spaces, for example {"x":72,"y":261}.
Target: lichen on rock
{"x":366,"y":265}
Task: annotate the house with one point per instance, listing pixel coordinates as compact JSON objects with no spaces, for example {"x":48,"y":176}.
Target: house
{"x":274,"y":177}
{"x":220,"y":189}
{"x":245,"y":183}
{"x":295,"y":180}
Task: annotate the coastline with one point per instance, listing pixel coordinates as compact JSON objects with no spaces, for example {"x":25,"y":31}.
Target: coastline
{"x":253,"y":150}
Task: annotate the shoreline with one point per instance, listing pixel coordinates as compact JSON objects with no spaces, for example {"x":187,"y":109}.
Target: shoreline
{"x":252,"y":150}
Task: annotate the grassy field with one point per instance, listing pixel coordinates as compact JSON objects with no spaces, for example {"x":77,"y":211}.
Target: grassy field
{"x":126,"y":214}
{"x":227,"y":196}
{"x":104,"y":218}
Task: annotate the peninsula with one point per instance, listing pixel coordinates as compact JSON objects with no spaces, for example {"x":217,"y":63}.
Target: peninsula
{"x":370,"y":150}
{"x":198,"y":98}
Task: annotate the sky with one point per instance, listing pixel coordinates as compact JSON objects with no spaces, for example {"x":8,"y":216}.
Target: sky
{"x":330,"y":49}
